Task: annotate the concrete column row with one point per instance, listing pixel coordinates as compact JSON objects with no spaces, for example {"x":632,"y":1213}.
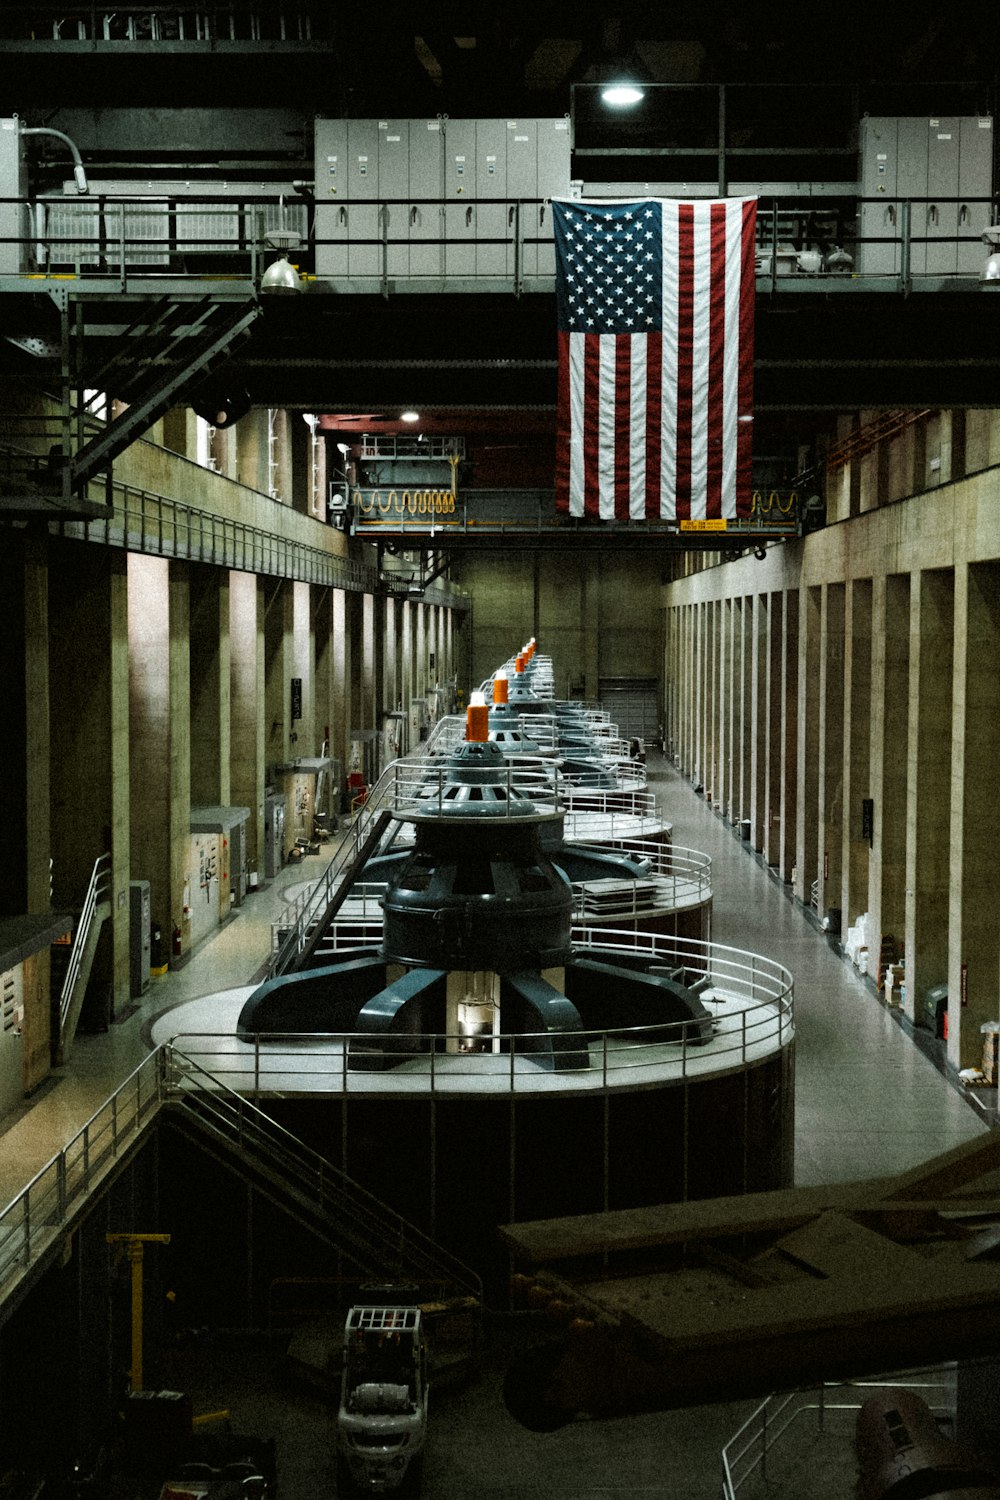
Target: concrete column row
{"x":138,"y":688}
{"x":852,"y":729}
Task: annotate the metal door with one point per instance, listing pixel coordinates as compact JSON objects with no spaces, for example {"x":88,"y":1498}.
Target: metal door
{"x":911,"y":182}
{"x":426,"y":218}
{"x":460,"y":191}
{"x":394,"y":182}
{"x":331,"y":185}
{"x":494,"y":226}
{"x":878,"y":218}
{"x":975,"y":181}
{"x":553,"y":182}
{"x":364,"y":251}
{"x":522,"y":189}
{"x":942,"y":186}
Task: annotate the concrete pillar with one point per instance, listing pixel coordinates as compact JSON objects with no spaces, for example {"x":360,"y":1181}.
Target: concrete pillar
{"x":973,"y":929}
{"x":180,"y":431}
{"x":420,"y":652}
{"x":889,"y":728}
{"x":89,"y":743}
{"x":247,"y":739}
{"x":772,"y":726}
{"x":253,"y":451}
{"x":278,"y":630}
{"x":369,"y":663}
{"x":303,"y":738}
{"x":699,"y":648}
{"x":928,"y":799}
{"x":406,"y":657}
{"x":390,"y":670}
{"x":706,"y":676}
{"x":223,"y":449}
{"x":857,"y":748}
{"x":807,"y":869}
{"x":759,"y":716}
{"x":210,"y":688}
{"x":301,"y":494}
{"x":746,"y":753}
{"x":322,"y":615}
{"x":730,"y":722}
{"x":159,"y":742}
{"x":25,"y":688}
{"x":789,"y":731}
{"x":830,"y":776}
{"x":340,"y":701}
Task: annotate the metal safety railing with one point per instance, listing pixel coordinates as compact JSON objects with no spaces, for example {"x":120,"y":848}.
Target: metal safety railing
{"x":677,"y":879}
{"x":374,"y":1234}
{"x":141,"y":520}
{"x":32,"y":1221}
{"x":761,"y":1444}
{"x":98,"y":890}
{"x":749,"y":995}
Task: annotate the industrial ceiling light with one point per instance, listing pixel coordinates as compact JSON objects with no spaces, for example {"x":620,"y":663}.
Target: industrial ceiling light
{"x":622,"y":93}
{"x":409,"y":416}
{"x":281,"y":277}
{"x":221,"y":405}
{"x":990,"y":274}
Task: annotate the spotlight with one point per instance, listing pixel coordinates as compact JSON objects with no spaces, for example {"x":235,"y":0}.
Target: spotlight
{"x":281,"y":277}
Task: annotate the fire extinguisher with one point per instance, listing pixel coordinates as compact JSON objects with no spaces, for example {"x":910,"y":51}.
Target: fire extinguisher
{"x":176,"y":944}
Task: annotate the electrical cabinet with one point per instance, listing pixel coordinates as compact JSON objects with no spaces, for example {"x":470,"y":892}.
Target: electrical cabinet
{"x":460,"y":214}
{"x":944,"y":165}
{"x":437,"y":197}
{"x":139,"y":932}
{"x":13,"y":184}
{"x":274,"y":835}
{"x":426,"y":218}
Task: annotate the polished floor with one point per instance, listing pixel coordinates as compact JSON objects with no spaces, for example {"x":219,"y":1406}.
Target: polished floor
{"x":868,"y":1102}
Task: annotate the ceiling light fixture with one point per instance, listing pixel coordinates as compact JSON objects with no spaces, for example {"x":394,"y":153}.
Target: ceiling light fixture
{"x":281,"y":277}
{"x":622,"y":94}
{"x":409,"y":416}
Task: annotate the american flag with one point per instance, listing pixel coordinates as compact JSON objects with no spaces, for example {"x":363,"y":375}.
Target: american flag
{"x":655,"y":303}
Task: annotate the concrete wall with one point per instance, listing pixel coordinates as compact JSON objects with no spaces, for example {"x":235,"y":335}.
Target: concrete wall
{"x":872,"y":719}
{"x":596,"y":614}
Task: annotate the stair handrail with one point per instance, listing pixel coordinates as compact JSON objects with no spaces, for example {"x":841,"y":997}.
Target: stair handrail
{"x":316,"y":901}
{"x":243,"y":1122}
{"x":97,"y":891}
{"x":311,"y":905}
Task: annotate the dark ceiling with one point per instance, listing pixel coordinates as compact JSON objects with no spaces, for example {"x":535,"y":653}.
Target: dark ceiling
{"x":816,"y":354}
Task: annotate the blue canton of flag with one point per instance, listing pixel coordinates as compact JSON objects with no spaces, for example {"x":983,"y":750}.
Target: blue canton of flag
{"x":612,"y":262}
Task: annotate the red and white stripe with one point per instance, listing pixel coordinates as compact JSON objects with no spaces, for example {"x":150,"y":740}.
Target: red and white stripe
{"x":658,"y":425}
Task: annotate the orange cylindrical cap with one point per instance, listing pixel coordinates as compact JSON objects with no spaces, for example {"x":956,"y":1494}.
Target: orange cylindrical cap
{"x":500,"y":690}
{"x":519,"y":663}
{"x":477,"y":722}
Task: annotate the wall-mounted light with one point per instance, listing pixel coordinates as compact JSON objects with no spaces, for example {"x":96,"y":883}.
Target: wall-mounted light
{"x":409,"y":416}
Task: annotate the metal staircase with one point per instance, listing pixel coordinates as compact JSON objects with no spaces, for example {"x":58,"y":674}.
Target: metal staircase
{"x":169,"y":1086}
{"x":359,"y":1228}
{"x":94,"y":913}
